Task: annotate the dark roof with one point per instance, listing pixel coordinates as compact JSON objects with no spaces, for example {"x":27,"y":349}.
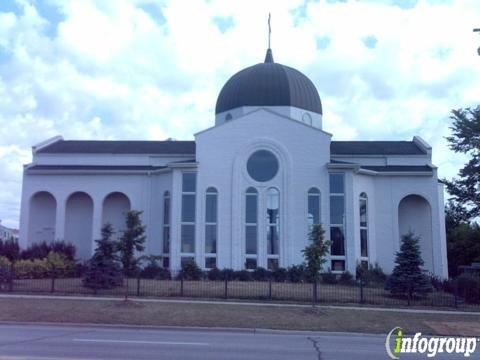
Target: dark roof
{"x":269,"y":84}
{"x":97,"y":167}
{"x":188,"y":147}
{"x":375,"y":148}
{"x":120,"y":147}
{"x":399,"y":168}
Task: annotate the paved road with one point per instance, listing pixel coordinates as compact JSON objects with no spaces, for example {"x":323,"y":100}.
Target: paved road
{"x":78,"y":342}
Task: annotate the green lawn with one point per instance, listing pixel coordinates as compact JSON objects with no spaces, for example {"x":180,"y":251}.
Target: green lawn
{"x":238,"y":316}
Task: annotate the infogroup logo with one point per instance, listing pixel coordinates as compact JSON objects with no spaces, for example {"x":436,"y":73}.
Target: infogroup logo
{"x":398,"y":343}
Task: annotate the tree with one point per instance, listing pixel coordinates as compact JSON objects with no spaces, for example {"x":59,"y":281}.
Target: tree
{"x":463,"y":246}
{"x":132,"y":240}
{"x":315,"y":253}
{"x":407,"y":277}
{"x":103,"y":270}
{"x":465,"y":139}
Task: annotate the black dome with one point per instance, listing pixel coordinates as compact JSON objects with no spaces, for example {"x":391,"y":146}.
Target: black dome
{"x":269,"y":84}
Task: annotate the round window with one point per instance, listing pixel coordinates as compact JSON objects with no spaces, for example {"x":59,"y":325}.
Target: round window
{"x":262,"y":166}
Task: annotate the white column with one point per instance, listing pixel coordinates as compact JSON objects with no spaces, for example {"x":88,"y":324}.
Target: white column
{"x":176,"y":201}
{"x":60,"y":218}
{"x":350,"y":225}
{"x":97,"y":221}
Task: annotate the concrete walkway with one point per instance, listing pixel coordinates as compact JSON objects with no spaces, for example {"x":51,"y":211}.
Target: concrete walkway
{"x":238,"y":303}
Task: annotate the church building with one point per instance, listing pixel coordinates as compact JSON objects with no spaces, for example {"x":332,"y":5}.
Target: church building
{"x":246,"y":192}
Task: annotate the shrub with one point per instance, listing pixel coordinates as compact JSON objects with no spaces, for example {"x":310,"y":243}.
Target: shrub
{"x":242,"y":275}
{"x":32,"y":269}
{"x":346,"y":278}
{"x":260,"y":274}
{"x":296,"y":273}
{"x":280,"y":275}
{"x":214,"y":274}
{"x":190,"y":271}
{"x":5,"y":269}
{"x":42,"y":249}
{"x":153,"y":270}
{"x":103,"y":271}
{"x":371,"y":274}
{"x":468,"y":286}
{"x":60,"y":265}
{"x":226,"y":274}
{"x":10,"y":249}
{"x":329,"y":277}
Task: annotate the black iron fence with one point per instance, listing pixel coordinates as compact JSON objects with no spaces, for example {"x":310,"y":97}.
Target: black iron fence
{"x":355,"y":292}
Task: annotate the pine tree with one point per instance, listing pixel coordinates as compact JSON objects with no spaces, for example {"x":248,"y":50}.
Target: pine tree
{"x":103,"y":271}
{"x":315,"y":253}
{"x":131,"y":241}
{"x":407,"y":277}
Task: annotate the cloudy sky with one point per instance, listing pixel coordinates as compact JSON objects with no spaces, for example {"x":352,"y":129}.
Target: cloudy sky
{"x":152,"y":69}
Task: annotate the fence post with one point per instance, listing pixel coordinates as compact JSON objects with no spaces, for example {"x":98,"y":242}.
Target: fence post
{"x":11,"y":277}
{"x":226,"y":287}
{"x":361,"y":291}
{"x":138,"y":285}
{"x":181,"y":284}
{"x":270,"y":288}
{"x":52,"y":286}
{"x":455,"y":293}
{"x":314,"y":290}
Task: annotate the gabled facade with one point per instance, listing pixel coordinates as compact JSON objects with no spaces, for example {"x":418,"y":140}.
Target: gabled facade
{"x":246,"y":192}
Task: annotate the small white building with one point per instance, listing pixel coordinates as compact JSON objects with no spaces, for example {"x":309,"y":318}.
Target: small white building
{"x":246,"y":191}
{"x":7,"y":233}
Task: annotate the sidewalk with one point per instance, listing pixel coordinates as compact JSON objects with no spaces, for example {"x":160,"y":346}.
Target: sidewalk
{"x":241,"y":303}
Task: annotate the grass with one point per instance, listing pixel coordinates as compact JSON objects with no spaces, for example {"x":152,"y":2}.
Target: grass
{"x":237,"y":316}
{"x":291,"y":292}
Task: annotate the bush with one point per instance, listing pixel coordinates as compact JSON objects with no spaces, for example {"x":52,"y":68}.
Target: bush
{"x":296,"y":273}
{"x":260,"y":274}
{"x":190,"y":271}
{"x":154,"y":271}
{"x":346,"y":278}
{"x":5,"y":269}
{"x":329,"y":277}
{"x":214,"y":274}
{"x":60,"y":265}
{"x":468,"y":287}
{"x":226,"y":274}
{"x":41,"y":250}
{"x":280,"y":275}
{"x":10,"y":249}
{"x":242,"y":275}
{"x":371,"y":274}
{"x":32,"y":269}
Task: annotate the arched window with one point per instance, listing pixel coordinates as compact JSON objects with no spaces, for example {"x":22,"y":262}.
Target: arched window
{"x":211,"y":215}
{"x":313,"y":211}
{"x":273,"y":227}
{"x":166,"y":229}
{"x":251,"y":228}
{"x":363,"y":205}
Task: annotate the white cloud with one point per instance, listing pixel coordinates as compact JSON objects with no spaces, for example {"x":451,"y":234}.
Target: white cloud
{"x":144,"y":69}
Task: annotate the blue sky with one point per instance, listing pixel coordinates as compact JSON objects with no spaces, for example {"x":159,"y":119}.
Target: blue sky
{"x":147,"y":69}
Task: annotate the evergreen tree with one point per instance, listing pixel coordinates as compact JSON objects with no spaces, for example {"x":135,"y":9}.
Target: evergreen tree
{"x":315,"y":253}
{"x":407,"y":277}
{"x":132,"y":240}
{"x":103,"y":271}
{"x":465,"y":139}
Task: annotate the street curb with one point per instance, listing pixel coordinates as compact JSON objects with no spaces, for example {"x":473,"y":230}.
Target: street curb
{"x":252,"y":331}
